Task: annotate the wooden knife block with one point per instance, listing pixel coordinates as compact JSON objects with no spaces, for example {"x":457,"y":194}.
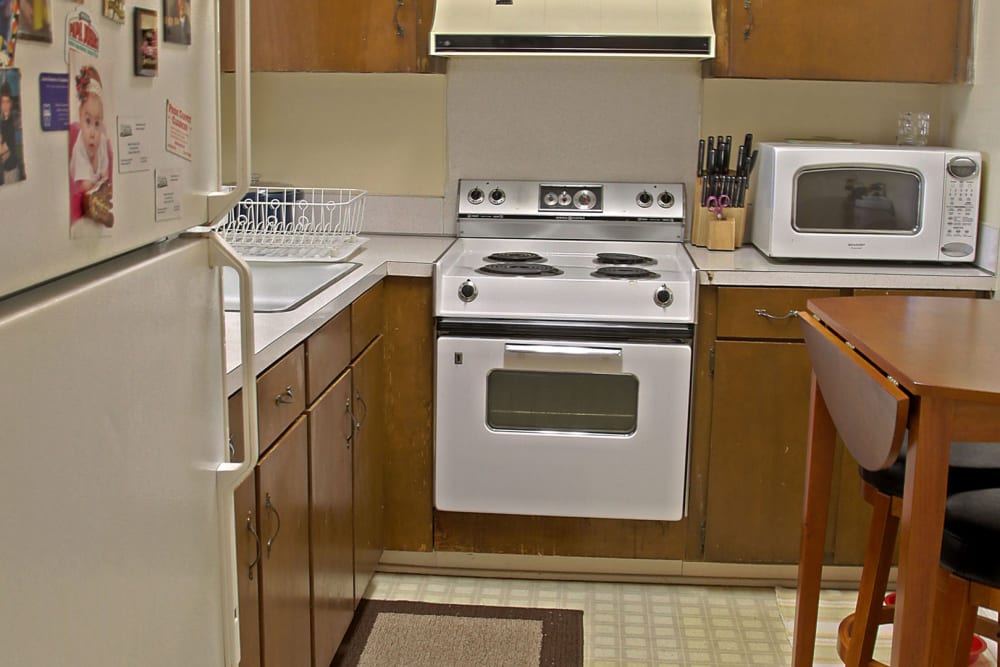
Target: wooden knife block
{"x":710,"y":232}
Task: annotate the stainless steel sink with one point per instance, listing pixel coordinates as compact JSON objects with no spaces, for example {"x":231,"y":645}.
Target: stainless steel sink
{"x":281,"y":286}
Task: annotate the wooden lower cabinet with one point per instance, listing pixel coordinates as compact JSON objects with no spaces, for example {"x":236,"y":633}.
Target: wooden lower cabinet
{"x":331,"y":429}
{"x":283,"y":506}
{"x":248,"y":550}
{"x":760,"y":410}
{"x":369,"y":435}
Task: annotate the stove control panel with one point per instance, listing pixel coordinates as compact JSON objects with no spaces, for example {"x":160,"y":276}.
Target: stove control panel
{"x":510,"y":199}
{"x":571,"y":210}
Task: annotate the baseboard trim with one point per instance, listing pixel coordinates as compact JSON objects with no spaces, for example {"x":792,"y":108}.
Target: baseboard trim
{"x":628,"y":570}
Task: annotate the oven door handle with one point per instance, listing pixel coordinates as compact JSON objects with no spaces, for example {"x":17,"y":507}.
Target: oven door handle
{"x":574,"y":350}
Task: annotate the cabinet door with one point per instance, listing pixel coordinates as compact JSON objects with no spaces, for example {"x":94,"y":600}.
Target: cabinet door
{"x":893,"y":40}
{"x":283,"y":506}
{"x":760,"y":409}
{"x":342,"y":36}
{"x":331,"y":429}
{"x":248,"y":550}
{"x":368,"y":437}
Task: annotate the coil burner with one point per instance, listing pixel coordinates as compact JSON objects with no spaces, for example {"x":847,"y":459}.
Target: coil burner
{"x":514,"y":269}
{"x":506,"y":257}
{"x":623,"y":258}
{"x":624,"y":272}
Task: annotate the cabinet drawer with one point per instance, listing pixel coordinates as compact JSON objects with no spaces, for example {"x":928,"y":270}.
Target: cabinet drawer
{"x":739,"y":306}
{"x":328,"y":352}
{"x":366,"y":319}
{"x":281,"y":396}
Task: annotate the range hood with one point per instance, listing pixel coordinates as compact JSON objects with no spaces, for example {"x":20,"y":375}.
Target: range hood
{"x":638,"y":28}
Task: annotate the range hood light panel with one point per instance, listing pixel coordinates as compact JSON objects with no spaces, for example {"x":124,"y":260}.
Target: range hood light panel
{"x":643,"y":28}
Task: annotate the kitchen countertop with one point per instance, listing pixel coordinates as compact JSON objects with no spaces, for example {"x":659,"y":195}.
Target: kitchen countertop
{"x":277,"y":333}
{"x":748,"y":267}
{"x":414,"y":255}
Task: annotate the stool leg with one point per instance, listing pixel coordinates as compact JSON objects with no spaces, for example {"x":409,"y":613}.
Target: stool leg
{"x":874,"y":577}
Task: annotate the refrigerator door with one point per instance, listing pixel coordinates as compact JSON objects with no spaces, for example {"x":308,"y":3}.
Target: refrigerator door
{"x":35,"y":212}
{"x":113,"y":437}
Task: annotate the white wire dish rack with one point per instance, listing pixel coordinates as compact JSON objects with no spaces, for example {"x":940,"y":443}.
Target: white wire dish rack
{"x":283,"y":223}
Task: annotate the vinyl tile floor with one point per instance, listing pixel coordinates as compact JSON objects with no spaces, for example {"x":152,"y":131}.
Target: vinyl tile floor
{"x":640,"y":625}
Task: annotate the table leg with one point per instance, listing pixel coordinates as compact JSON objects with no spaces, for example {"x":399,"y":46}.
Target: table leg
{"x":921,"y":525}
{"x":819,"y":478}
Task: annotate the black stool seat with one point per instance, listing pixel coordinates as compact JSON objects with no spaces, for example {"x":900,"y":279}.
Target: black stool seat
{"x":971,"y":539}
{"x":971,"y":466}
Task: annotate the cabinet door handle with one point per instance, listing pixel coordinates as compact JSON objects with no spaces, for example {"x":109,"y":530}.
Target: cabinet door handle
{"x":762,"y":312}
{"x":256,"y":537}
{"x":359,"y":422}
{"x":286,"y":398}
{"x":395,"y":19}
{"x":351,"y":423}
{"x":232,"y":446}
{"x":277,"y":528}
{"x":748,"y":28}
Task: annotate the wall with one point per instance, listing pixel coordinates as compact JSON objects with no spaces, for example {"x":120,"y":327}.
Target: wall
{"x":779,"y":109}
{"x":974,"y":113}
{"x":381,"y":132}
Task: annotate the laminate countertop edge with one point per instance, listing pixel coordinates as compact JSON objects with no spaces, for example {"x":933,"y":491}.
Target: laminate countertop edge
{"x":747,"y":267}
{"x":277,"y":333}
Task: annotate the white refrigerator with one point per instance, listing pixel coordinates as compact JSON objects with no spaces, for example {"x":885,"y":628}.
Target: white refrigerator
{"x":117,"y":544}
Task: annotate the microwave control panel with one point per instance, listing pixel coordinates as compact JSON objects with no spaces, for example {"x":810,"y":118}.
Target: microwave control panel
{"x":961,"y":208}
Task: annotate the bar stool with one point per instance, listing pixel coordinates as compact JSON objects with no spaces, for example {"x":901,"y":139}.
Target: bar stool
{"x":972,"y":466}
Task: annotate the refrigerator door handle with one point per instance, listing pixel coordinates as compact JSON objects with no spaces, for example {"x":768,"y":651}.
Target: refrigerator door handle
{"x":229,"y":475}
{"x":219,"y":204}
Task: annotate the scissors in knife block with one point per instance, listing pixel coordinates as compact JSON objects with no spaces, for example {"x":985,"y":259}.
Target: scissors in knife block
{"x":718,"y":204}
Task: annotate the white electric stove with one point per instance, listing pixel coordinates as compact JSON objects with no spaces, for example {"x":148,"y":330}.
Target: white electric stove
{"x":565,"y":321}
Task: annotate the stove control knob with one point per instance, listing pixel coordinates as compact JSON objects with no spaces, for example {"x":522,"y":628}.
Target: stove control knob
{"x":497,"y":196}
{"x":644,"y":199}
{"x":550,"y":199}
{"x":665,"y":200}
{"x":468,"y":291}
{"x":663,"y":296}
{"x":564,"y":198}
{"x":585,"y":200}
{"x":476,"y":196}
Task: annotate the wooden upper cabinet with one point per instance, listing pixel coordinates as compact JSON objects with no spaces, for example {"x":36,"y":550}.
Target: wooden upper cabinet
{"x":341,"y":36}
{"x":925,"y":41}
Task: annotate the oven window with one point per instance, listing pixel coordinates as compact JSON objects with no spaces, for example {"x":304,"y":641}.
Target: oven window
{"x":520,"y":400}
{"x":852,"y":200}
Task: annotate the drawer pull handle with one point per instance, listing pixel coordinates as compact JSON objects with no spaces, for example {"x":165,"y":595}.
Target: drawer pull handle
{"x":762,"y":312}
{"x":286,"y":398}
{"x":256,"y":538}
{"x":359,"y":422}
{"x":271,"y":510}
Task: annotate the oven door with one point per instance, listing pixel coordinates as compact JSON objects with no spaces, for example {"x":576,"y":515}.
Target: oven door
{"x":561,"y":428}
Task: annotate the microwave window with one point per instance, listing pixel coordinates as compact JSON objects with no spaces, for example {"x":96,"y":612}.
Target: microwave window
{"x":850,"y":200}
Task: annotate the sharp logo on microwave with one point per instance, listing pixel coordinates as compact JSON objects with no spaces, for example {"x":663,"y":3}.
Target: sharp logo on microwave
{"x":857,"y":246}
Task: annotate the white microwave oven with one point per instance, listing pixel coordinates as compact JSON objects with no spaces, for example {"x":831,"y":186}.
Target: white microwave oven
{"x":883,"y":203}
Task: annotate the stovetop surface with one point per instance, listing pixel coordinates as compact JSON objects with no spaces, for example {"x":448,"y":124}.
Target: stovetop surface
{"x":574,"y":293}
